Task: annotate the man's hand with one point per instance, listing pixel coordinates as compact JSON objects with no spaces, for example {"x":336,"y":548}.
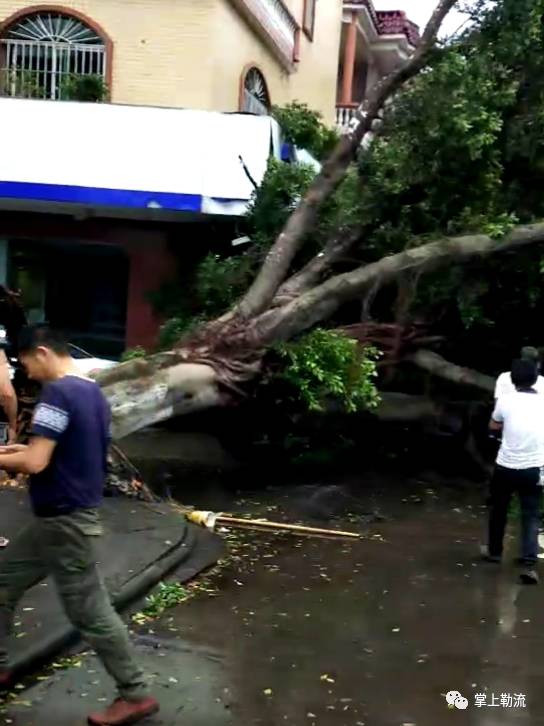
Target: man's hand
{"x":13,"y":448}
{"x":12,"y":436}
{"x":31,"y":459}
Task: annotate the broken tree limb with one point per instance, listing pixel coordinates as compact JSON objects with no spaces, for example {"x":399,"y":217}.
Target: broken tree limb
{"x":438,"y":366}
{"x":211,"y":520}
{"x":321,"y":302}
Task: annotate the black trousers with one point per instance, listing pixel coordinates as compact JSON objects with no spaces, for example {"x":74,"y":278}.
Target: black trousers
{"x":505,"y":482}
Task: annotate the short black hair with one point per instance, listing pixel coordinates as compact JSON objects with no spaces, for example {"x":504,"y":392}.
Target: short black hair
{"x":524,"y":373}
{"x":530,"y":353}
{"x":34,"y":336}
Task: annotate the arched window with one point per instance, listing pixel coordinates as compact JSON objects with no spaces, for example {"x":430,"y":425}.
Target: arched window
{"x":255,"y":98}
{"x":52,"y":55}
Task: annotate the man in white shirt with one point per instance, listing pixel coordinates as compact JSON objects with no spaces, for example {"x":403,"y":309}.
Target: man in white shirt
{"x":520,"y":417}
{"x":504,"y":383}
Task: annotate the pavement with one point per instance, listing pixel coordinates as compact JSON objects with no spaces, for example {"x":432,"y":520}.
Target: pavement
{"x":141,"y":544}
{"x":311,"y":632}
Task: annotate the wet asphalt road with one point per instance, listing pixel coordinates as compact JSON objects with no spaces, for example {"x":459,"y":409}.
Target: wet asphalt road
{"x":333,"y":633}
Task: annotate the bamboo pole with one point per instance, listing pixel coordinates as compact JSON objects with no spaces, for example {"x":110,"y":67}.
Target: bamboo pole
{"x":211,"y":520}
{"x":295,"y":528}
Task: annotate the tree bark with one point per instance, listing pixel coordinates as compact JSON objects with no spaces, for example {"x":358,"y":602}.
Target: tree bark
{"x":280,"y":257}
{"x":438,"y":366}
{"x":165,"y":393}
{"x":314,"y":271}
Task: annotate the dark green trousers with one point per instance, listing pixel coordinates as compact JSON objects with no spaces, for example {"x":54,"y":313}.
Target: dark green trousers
{"x":62,"y":547}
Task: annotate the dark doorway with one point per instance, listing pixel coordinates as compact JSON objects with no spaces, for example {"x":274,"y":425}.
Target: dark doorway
{"x":79,"y":288}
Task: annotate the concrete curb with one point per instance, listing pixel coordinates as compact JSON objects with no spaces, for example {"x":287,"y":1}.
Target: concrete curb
{"x":135,"y":588}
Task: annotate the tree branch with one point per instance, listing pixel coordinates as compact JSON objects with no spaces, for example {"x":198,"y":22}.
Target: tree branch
{"x":279,"y":258}
{"x":323,"y":300}
{"x":438,"y":366}
{"x":313,"y":271}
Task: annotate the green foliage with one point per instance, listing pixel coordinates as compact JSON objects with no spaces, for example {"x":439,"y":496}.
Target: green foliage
{"x":90,"y":88}
{"x":272,"y":203}
{"x":216,"y":285}
{"x":281,"y":190}
{"x":326,"y":364}
{"x":305,"y":128}
{"x":167,"y":595}
{"x":176,"y":327}
{"x":220,"y":281}
{"x":462,"y":151}
{"x":133,"y":353}
{"x":21,"y":84}
{"x":438,"y":169}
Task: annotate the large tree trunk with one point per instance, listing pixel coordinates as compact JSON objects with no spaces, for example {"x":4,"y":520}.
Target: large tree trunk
{"x":153,"y":394}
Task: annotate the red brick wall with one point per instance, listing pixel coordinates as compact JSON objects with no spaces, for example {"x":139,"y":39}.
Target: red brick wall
{"x":150,"y":265}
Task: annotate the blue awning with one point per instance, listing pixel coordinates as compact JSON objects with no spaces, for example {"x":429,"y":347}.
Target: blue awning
{"x":68,"y":155}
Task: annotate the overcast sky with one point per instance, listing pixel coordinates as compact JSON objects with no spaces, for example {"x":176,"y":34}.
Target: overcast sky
{"x":420,"y":10}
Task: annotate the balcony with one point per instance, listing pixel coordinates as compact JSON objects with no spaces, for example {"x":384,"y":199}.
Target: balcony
{"x":395,"y":22}
{"x":387,"y":22}
{"x":373,"y":44}
{"x":344,"y":116}
{"x":52,"y":70}
{"x":273,"y":22}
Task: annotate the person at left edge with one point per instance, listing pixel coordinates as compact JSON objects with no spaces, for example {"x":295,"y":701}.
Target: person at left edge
{"x":66,"y":459}
{"x":8,"y":397}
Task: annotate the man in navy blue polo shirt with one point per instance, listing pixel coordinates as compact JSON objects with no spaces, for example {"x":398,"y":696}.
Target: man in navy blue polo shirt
{"x":66,"y":459}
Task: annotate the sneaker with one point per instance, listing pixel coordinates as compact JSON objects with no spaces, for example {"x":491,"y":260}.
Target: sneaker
{"x":529,"y":577}
{"x":123,"y":712}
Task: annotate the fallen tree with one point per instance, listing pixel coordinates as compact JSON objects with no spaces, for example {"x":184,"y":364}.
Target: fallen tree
{"x":210,"y":366}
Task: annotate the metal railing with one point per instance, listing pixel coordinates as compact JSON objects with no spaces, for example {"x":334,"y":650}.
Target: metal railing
{"x":36,"y":69}
{"x":345,"y":116}
{"x":254,"y":105}
{"x":274,"y":20}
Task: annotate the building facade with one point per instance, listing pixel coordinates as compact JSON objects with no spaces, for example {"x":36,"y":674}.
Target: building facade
{"x":222,"y":55}
{"x":373,"y":44}
{"x":214,"y":55}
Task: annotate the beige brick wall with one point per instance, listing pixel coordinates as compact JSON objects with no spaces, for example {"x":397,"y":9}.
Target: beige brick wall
{"x":314,"y":80}
{"x":192,"y":53}
{"x":160,"y":47}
